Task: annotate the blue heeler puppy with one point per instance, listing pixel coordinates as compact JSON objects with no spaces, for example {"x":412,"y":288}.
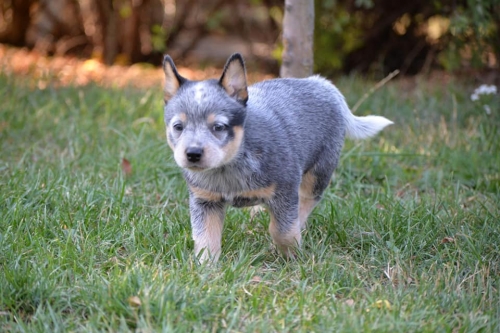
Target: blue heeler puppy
{"x":275,"y":143}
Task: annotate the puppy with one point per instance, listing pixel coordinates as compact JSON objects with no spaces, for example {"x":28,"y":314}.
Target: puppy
{"x":276,"y":143}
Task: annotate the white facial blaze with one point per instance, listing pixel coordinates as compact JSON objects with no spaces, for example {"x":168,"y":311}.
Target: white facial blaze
{"x":198,"y":93}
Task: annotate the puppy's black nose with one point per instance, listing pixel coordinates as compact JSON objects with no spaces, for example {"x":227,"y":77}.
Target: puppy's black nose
{"x":194,"y":154}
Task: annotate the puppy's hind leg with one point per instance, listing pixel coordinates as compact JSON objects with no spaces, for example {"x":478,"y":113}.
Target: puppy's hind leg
{"x":307,"y":199}
{"x":314,"y":182}
{"x":285,"y":225}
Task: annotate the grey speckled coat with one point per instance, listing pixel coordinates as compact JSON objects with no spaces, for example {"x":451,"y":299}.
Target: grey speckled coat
{"x":276,"y":142}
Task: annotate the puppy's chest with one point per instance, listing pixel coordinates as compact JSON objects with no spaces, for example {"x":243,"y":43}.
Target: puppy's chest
{"x":246,"y":198}
{"x":237,"y":193}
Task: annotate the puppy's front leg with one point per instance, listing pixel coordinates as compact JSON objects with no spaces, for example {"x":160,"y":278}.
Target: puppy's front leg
{"x":207,"y":219}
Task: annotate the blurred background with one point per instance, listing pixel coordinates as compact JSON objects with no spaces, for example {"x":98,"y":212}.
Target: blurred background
{"x":372,"y":37}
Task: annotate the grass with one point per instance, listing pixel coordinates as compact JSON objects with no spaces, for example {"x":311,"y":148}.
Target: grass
{"x":407,"y":238}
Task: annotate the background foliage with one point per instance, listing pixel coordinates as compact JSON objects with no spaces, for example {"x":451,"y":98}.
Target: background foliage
{"x":383,"y":35}
{"x":369,"y":36}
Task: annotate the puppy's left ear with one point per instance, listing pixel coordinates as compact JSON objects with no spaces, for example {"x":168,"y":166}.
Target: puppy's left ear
{"x":234,"y":78}
{"x":172,"y":78}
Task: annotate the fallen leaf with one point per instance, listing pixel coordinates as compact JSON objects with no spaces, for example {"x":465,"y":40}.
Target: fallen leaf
{"x":349,"y":302}
{"x":134,"y":301}
{"x":256,"y":279}
{"x":126,"y":167}
{"x":448,"y":240}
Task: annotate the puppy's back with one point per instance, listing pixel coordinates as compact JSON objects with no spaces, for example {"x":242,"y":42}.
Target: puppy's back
{"x":304,"y":114}
{"x":306,"y":103}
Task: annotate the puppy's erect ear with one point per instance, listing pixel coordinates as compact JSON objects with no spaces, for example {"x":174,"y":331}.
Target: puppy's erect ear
{"x":234,"y":78}
{"x":172,"y":78}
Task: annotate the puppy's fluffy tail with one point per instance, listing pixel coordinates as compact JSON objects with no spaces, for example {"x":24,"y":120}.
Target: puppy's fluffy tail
{"x":364,"y":127}
{"x":356,"y":127}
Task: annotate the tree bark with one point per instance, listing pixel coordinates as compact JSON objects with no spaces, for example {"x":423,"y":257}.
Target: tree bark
{"x":110,"y":30}
{"x":15,"y":33}
{"x":298,"y":37}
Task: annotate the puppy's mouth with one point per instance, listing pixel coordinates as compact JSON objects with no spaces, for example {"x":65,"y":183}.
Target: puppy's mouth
{"x":195,"y":168}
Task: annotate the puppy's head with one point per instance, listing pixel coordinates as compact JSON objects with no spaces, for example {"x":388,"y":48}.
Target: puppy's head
{"x":205,"y":119}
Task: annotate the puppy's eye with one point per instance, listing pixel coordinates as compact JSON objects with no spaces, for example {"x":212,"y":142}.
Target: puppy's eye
{"x":219,"y":127}
{"x":178,"y":127}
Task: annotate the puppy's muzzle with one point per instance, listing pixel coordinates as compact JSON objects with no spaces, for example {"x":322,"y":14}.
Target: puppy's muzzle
{"x":194,"y":154}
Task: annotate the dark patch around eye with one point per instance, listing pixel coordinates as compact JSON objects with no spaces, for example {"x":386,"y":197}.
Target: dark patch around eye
{"x":237,"y":118}
{"x":230,"y":134}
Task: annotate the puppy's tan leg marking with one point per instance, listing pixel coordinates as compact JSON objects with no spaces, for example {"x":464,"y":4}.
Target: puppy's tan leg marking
{"x":285,"y":242}
{"x":306,"y":207}
{"x":307,"y":199}
{"x":210,"y":239}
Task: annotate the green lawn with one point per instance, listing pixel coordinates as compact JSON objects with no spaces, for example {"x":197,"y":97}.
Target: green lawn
{"x":407,"y":238}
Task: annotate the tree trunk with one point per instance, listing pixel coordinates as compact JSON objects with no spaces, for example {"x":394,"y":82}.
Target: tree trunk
{"x":110,"y":30}
{"x":130,"y":26}
{"x":15,"y":32}
{"x":298,"y":37}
